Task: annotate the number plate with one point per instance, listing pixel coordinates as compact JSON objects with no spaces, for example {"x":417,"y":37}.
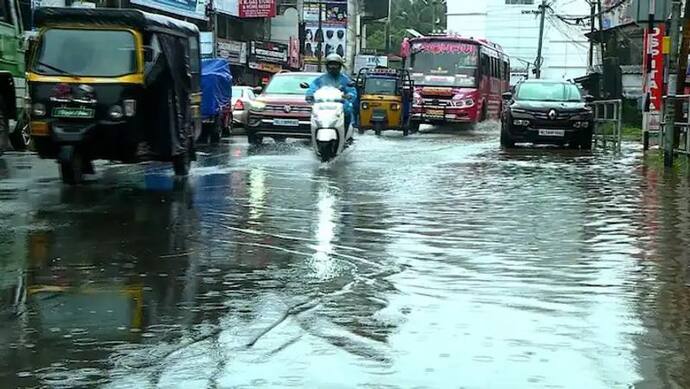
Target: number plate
{"x":551,"y":132}
{"x":434,"y":112}
{"x":286,"y":122}
{"x":77,"y":113}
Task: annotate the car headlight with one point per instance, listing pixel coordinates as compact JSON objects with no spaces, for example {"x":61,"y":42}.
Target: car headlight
{"x":258,"y":106}
{"x":469,"y":102}
{"x":116,"y":112}
{"x":38,"y":110}
{"x":517,"y":110}
{"x":521,"y":123}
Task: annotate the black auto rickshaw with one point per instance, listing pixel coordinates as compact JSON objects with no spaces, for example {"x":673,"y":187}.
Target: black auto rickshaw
{"x":385,"y":100}
{"x":114,"y":84}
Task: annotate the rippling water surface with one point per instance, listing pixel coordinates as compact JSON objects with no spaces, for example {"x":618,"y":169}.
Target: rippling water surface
{"x":432,"y":261}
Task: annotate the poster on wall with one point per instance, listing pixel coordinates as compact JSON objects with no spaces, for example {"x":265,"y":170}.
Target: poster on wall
{"x":192,"y":8}
{"x":332,"y":36}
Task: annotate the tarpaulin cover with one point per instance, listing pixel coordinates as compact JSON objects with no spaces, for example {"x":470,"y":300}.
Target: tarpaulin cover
{"x":216,"y":86}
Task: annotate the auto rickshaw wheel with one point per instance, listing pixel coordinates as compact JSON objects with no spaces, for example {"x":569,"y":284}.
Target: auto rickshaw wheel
{"x":406,"y":131}
{"x":182,"y":163}
{"x":20,"y":138}
{"x":72,"y":169}
{"x":216,"y":131}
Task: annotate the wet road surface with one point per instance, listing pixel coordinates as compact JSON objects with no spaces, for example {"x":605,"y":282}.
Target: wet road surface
{"x":435,"y":261}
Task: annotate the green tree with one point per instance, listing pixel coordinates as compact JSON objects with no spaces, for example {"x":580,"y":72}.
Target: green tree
{"x":408,"y":14}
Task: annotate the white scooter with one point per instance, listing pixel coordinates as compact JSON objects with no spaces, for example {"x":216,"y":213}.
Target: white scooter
{"x":328,"y":133}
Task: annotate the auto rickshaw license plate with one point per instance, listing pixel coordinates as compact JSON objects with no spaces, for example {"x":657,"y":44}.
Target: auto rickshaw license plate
{"x":69,"y":112}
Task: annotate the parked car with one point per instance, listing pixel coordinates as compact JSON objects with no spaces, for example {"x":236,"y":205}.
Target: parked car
{"x":281,"y":111}
{"x":547,"y":112}
{"x":242,"y":99}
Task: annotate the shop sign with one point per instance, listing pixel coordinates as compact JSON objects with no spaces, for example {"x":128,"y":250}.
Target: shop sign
{"x":247,"y":8}
{"x":191,"y":8}
{"x":269,"y":52}
{"x":235,"y":52}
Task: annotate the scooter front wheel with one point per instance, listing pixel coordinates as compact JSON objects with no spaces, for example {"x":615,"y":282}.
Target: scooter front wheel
{"x":327,"y":150}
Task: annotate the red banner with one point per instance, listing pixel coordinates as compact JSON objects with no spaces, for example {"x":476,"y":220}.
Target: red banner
{"x":654,"y":77}
{"x":257,"y":8}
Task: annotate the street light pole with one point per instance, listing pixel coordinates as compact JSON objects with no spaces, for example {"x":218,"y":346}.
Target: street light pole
{"x":388,"y":28}
{"x":542,"y":8}
{"x":319,"y":45}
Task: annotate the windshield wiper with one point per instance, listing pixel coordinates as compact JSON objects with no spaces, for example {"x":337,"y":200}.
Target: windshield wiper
{"x":51,"y":67}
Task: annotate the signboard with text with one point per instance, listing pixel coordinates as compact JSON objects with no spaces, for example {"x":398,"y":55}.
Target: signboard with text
{"x":235,"y":52}
{"x":654,"y":76}
{"x":247,"y":8}
{"x":192,"y":8}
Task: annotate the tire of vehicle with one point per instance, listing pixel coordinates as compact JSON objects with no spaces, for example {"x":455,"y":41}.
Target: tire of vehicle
{"x":254,"y":139}
{"x":360,"y":131}
{"x":4,"y":127}
{"x":216,"y":131}
{"x":227,"y":127}
{"x":586,"y":141}
{"x":414,"y":127}
{"x":279,"y":139}
{"x":20,"y":138}
{"x":406,"y":131}
{"x":327,"y":151}
{"x":72,"y":170}
{"x":506,"y":141}
{"x":182,"y":163}
{"x":484,"y":114}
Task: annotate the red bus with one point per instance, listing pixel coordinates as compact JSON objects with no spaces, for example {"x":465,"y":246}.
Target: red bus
{"x":457,"y":79}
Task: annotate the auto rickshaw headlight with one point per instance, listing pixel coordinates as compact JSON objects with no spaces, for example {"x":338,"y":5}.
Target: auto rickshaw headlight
{"x":395,"y":107}
{"x":130,"y":106}
{"x":365,"y":106}
{"x":116,"y":112}
{"x":38,"y":110}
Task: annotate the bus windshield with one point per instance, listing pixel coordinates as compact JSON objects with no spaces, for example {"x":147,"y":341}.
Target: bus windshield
{"x":444,"y":64}
{"x":96,"y":53}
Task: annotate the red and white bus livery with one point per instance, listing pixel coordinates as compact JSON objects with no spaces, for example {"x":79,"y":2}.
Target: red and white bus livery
{"x":457,"y":79}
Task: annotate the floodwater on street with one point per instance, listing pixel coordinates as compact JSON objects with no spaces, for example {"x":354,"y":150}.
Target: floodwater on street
{"x":437,"y":260}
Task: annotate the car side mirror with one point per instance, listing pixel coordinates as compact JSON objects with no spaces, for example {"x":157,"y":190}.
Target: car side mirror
{"x":589,"y":98}
{"x":507,"y":96}
{"x":304,"y":85}
{"x":257,"y":89}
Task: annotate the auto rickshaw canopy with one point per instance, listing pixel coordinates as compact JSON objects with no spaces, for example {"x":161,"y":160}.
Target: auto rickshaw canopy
{"x":129,"y":18}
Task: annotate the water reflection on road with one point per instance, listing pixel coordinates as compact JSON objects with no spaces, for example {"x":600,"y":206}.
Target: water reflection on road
{"x":432,"y":261}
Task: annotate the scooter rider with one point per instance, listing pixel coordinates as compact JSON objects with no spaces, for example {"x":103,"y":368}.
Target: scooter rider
{"x":334,"y":78}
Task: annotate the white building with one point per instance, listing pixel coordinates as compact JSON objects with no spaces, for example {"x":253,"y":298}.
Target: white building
{"x":511,"y":24}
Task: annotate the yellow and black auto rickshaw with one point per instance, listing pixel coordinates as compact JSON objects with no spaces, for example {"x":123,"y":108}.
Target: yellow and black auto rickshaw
{"x":385,"y":100}
{"x":114,"y":84}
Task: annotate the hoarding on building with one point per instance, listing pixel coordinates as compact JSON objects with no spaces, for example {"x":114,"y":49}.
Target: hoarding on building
{"x":235,"y":52}
{"x":332,"y":36}
{"x":268,"y":56}
{"x":247,"y":8}
{"x":191,"y":8}
{"x":369,"y":62}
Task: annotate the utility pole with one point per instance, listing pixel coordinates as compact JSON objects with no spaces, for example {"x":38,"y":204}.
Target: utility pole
{"x":319,"y":45}
{"x":592,"y":12}
{"x":388,"y":28}
{"x":673,"y":86}
{"x":542,"y":9}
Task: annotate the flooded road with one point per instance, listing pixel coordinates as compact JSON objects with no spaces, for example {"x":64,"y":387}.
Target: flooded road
{"x":434,"y":261}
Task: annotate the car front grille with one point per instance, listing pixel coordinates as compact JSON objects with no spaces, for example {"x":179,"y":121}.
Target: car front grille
{"x":293,"y":108}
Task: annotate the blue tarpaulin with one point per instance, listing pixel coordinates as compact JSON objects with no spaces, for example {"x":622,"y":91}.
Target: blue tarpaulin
{"x":216,"y":86}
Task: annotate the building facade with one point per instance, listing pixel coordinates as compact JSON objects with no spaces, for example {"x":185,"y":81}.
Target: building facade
{"x":514,"y":24}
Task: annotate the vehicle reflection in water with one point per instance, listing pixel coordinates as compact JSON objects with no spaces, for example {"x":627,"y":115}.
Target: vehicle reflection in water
{"x":322,"y":260}
{"x":105,"y":269}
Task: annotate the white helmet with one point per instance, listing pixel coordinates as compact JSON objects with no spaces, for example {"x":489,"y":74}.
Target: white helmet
{"x":335,"y":58}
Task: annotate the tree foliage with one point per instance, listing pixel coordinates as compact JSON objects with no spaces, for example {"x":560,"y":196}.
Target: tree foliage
{"x":407,"y":14}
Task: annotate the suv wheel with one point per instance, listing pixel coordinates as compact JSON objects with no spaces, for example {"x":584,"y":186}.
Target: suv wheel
{"x":254,"y":139}
{"x":586,"y":140}
{"x":506,"y":140}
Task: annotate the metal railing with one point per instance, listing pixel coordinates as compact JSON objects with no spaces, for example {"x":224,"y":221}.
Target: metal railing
{"x":608,"y":123}
{"x":683,"y":127}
